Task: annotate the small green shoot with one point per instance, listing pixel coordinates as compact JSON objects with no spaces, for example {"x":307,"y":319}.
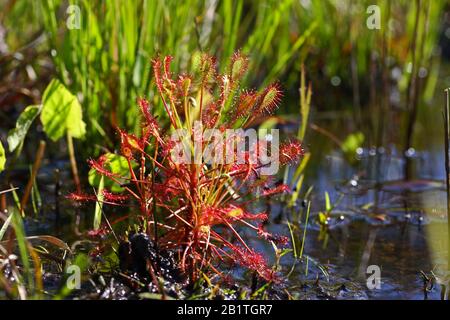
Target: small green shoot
{"x":99,"y":205}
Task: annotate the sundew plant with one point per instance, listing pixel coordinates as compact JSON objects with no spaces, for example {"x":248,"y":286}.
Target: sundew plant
{"x":196,"y":206}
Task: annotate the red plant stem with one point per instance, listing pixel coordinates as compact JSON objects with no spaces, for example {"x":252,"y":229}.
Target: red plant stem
{"x":236,"y":234}
{"x":183,"y":259}
{"x":125,"y":187}
{"x":133,"y":177}
{"x":153,"y":204}
{"x":175,"y":213}
{"x":151,"y":270}
{"x":206,"y":250}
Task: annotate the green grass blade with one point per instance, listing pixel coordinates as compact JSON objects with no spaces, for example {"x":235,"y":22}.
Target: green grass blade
{"x":19,"y":230}
{"x":305,"y":229}
{"x":5,"y":227}
{"x":99,"y":205}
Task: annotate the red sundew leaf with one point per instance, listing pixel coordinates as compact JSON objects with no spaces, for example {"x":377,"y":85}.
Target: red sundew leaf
{"x":210,"y":116}
{"x":144,"y":106}
{"x":269,"y":99}
{"x":102,"y":159}
{"x":225,"y":89}
{"x":167,"y":61}
{"x":150,"y":127}
{"x":277,"y":239}
{"x":290,"y":152}
{"x":252,"y":260}
{"x":213,"y":216}
{"x":147,"y":132}
{"x":278,"y":189}
{"x":98,"y":166}
{"x":207,"y":68}
{"x":184,"y":85}
{"x":170,"y":85}
{"x":81,"y":197}
{"x":246,"y":103}
{"x":165,"y":84}
{"x":262,"y":216}
{"x":157,"y":73}
{"x":238,"y":66}
{"x":113,"y":197}
{"x":234,"y":212}
{"x":129,"y":143}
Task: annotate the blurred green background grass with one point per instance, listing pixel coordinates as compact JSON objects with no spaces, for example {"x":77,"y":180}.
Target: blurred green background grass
{"x":106,"y":62}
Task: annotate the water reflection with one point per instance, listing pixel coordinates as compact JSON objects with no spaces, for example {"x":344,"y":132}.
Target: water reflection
{"x":382,"y":220}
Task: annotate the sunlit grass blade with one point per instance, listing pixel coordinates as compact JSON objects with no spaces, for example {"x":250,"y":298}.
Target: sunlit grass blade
{"x":5,"y":226}
{"x":99,"y":205}
{"x":19,"y":231}
{"x":302,"y":248}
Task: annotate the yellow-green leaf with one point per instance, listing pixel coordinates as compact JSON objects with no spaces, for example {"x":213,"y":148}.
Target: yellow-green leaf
{"x":17,"y":135}
{"x":2,"y":157}
{"x":61,"y":112}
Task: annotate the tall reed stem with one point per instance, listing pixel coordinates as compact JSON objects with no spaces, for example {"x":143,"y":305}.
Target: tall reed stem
{"x":447,"y":165}
{"x":73,"y":162}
